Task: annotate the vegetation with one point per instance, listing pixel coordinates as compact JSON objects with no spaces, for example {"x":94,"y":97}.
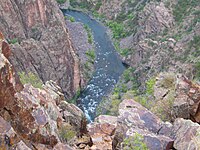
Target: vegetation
{"x":75,"y":97}
{"x":195,"y":43}
{"x":150,"y":86}
{"x":91,"y":55}
{"x":163,"y":107}
{"x":89,"y":33}
{"x":72,"y":19}
{"x":109,"y":105}
{"x":13,"y":41}
{"x":61,"y":1}
{"x":197,"y":68}
{"x":117,"y":29}
{"x":31,"y":78}
{"x":135,"y":142}
{"x":183,"y":8}
{"x":66,"y":133}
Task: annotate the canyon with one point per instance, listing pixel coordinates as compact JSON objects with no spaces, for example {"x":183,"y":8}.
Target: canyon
{"x":155,"y":103}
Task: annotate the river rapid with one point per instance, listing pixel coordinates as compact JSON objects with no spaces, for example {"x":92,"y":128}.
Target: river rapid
{"x":108,"y":66}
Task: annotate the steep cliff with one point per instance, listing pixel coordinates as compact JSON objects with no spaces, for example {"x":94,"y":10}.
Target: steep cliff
{"x":40,"y":42}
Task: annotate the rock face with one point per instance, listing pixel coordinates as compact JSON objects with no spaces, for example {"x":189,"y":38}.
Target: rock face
{"x":187,"y":135}
{"x":41,"y":42}
{"x":79,"y":37}
{"x":32,"y":118}
{"x":176,"y":97}
{"x":135,"y":119}
{"x":187,"y":100}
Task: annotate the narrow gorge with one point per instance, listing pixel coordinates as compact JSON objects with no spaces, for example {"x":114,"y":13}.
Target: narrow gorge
{"x":108,"y":66}
{"x":99,"y":75}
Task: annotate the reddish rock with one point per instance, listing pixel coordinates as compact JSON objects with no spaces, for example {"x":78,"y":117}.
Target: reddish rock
{"x":101,"y":134}
{"x":43,"y":43}
{"x":187,"y":100}
{"x":187,"y":135}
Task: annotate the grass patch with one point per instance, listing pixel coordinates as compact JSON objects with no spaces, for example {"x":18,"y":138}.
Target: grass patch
{"x":30,"y":78}
{"x":66,"y":133}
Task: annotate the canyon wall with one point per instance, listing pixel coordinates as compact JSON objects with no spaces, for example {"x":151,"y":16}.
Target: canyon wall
{"x":40,"y":42}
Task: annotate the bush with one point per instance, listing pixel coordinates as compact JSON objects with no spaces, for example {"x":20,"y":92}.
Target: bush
{"x":109,"y":106}
{"x":91,"y":55}
{"x":13,"y":41}
{"x":183,"y":8}
{"x":30,"y":78}
{"x":163,"y":107}
{"x":150,"y":86}
{"x":89,"y":33}
{"x":195,"y":43}
{"x":72,"y":19}
{"x":117,"y":29}
{"x":66,"y":133}
{"x":135,"y":142}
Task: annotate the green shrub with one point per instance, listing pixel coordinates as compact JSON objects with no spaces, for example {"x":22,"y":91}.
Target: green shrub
{"x":75,"y":97}
{"x":13,"y":41}
{"x":135,"y":142}
{"x":150,"y":86}
{"x":61,"y":1}
{"x":109,"y":106}
{"x":72,"y":19}
{"x":66,"y":133}
{"x":117,"y":29}
{"x":143,"y":100}
{"x":168,"y":81}
{"x":31,"y":78}
{"x":91,"y":55}
{"x":89,"y":33}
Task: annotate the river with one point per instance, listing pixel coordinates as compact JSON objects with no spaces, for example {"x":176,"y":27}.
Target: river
{"x":108,"y":66}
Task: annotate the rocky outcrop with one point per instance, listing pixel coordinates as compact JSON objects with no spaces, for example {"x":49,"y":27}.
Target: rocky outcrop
{"x":187,"y":135}
{"x":32,"y":118}
{"x":135,"y":119}
{"x":176,"y":97}
{"x":41,"y":42}
{"x":187,"y":101}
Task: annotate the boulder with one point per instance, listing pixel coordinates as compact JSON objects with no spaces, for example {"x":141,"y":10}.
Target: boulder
{"x":187,"y":134}
{"x":136,"y":122}
{"x":102,"y":132}
{"x":187,"y":101}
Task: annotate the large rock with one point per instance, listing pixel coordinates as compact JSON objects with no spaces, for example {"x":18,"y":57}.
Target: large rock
{"x":43,"y":43}
{"x":134,"y":119}
{"x":187,"y":100}
{"x":187,"y":135}
{"x":102,"y":132}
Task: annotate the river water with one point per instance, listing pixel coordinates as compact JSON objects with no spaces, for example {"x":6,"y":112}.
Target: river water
{"x":108,"y":66}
